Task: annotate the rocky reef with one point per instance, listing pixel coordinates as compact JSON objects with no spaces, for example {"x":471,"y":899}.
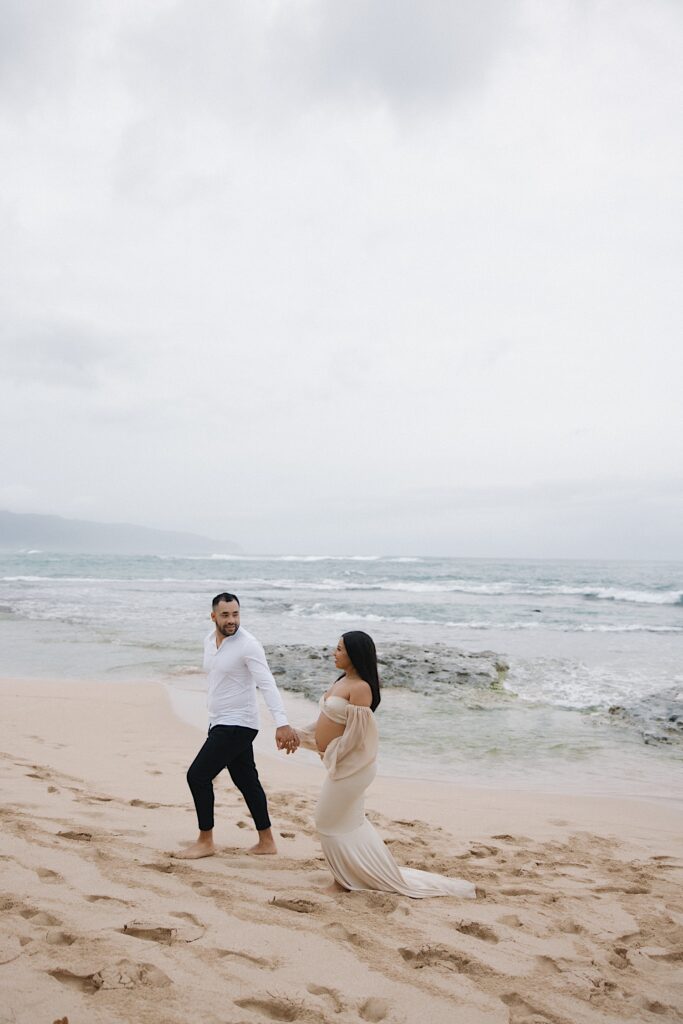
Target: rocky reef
{"x":426,"y":670}
{"x":658,"y":717}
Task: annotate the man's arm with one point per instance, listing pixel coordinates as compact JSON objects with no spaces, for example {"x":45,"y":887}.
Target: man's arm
{"x":285,"y":737}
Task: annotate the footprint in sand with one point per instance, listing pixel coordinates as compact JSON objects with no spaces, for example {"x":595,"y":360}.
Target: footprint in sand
{"x":661,"y":1009}
{"x":328,"y":993}
{"x":47,"y":875}
{"x":124,"y":974}
{"x":10,"y":948}
{"x":441,"y":956}
{"x":184,"y":915}
{"x":178,"y":927}
{"x":374,"y":1009}
{"x":257,"y":961}
{"x":522,"y":1012}
{"x":164,"y":868}
{"x":570,"y":927}
{"x":628,"y":890}
{"x":273,"y":1007}
{"x":57,"y":937}
{"x":338,"y":931}
{"x":299,"y":906}
{"x":144,"y":803}
{"x":79,"y":982}
{"x":479,"y":931}
{"x":81,"y":837}
{"x":40,"y":918}
{"x":150,"y":931}
{"x":288,"y":835}
{"x":382,"y":902}
{"x":511,"y":921}
{"x":482,"y":850}
{"x":201,"y":888}
{"x":670,"y":956}
{"x":96,"y":898}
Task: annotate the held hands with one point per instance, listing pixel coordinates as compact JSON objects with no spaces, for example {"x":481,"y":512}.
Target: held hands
{"x":286,"y":739}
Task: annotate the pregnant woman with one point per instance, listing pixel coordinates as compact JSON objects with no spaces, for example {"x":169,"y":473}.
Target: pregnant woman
{"x":346,"y":736}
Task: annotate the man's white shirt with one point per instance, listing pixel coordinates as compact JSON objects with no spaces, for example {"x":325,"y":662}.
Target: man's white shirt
{"x":235,"y":670}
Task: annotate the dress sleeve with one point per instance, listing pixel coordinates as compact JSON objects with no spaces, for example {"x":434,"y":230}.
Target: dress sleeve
{"x":307,"y":737}
{"x":356,"y":747}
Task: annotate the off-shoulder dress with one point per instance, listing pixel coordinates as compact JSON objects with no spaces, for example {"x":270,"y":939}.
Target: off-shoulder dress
{"x":354,"y":851}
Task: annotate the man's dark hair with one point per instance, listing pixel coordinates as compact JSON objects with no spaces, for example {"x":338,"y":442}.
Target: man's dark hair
{"x":224,"y":597}
{"x":361,"y":650}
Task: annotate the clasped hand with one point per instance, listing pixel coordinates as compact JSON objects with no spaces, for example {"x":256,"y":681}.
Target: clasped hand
{"x":286,"y":739}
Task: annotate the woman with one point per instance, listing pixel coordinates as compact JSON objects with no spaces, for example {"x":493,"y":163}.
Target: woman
{"x":345,"y":735}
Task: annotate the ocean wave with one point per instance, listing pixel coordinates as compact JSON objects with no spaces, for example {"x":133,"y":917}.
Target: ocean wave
{"x":340,"y":615}
{"x":74,"y":579}
{"x":457,"y":586}
{"x":506,"y":588}
{"x":499,"y":588}
{"x":635,"y":596}
{"x":220,"y":557}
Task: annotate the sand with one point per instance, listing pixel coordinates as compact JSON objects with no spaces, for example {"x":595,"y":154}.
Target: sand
{"x":579,"y":916}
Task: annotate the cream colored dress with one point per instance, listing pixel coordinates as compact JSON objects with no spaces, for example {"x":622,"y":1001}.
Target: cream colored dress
{"x":356,"y":855}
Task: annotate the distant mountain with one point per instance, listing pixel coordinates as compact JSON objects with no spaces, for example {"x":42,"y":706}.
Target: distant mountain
{"x":19,"y":531}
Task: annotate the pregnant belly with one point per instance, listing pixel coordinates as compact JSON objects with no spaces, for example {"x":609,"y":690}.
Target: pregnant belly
{"x":325,"y":731}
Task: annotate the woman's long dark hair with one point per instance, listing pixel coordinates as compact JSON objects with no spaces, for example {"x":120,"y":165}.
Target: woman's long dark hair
{"x":361,"y":650}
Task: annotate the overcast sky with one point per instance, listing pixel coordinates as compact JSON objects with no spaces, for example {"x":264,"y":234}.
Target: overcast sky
{"x":336,"y":276}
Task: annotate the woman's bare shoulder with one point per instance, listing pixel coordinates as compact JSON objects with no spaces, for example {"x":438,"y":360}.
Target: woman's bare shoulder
{"x":360,"y":693}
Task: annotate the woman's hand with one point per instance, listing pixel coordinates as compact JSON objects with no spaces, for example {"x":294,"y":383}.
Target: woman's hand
{"x":287,"y":739}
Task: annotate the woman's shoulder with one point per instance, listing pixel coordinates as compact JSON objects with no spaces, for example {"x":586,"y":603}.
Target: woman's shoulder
{"x":360,"y":693}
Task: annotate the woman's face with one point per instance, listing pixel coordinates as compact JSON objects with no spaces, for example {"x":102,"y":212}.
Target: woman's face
{"x":341,"y":658}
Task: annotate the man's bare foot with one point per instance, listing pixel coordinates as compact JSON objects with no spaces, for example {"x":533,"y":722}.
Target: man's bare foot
{"x":266,"y":844}
{"x":195,"y":851}
{"x":202,"y":847}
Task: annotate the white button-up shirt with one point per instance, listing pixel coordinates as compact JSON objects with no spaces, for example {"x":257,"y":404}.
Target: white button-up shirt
{"x":235,"y":670}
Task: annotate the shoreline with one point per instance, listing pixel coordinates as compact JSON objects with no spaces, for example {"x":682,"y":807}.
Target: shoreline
{"x":424,"y":795}
{"x":188,"y":706}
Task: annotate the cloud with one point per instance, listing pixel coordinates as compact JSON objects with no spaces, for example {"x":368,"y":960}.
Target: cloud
{"x":304,"y":249}
{"x":59,"y":355}
{"x":40,"y":45}
{"x":617,"y":519}
{"x":254,"y":63}
{"x":394,"y":52}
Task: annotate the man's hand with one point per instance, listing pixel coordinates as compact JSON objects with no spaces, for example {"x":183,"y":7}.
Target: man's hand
{"x":286,"y":739}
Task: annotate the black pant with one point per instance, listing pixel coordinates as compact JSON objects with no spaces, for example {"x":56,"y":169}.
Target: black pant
{"x":227,"y":746}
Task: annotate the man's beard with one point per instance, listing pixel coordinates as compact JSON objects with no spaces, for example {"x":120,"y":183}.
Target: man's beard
{"x":228,"y":630}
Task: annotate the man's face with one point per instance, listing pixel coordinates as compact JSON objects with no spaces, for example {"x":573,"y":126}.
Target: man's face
{"x":226,"y":615}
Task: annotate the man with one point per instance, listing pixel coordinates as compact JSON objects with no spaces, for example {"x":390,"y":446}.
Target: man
{"x":236,"y":665}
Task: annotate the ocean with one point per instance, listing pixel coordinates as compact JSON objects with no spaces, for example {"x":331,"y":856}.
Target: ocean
{"x":590,"y":698}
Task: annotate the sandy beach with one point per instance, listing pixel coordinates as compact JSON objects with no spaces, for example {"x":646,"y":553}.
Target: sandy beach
{"x":579,"y":916}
